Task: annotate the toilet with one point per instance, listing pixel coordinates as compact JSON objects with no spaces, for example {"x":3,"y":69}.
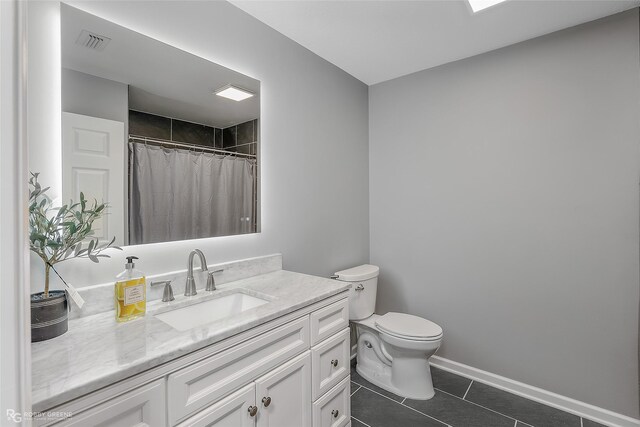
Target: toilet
{"x":393,"y":349}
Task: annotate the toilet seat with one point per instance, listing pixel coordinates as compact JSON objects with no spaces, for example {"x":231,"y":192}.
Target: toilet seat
{"x":408,"y":327}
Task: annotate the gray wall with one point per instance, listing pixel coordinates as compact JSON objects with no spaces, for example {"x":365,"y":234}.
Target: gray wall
{"x":94,"y":96}
{"x":504,"y":206}
{"x":314,"y":137}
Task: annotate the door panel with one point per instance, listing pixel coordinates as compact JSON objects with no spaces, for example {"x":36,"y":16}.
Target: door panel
{"x":93,"y":162}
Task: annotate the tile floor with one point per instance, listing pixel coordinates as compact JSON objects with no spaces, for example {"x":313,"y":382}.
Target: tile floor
{"x":459,"y":402}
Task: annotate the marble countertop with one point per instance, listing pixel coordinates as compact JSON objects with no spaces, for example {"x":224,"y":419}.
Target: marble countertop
{"x":97,"y":351}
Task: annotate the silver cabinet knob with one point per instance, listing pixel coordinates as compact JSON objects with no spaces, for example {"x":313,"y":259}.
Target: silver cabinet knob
{"x":266,"y":401}
{"x":253,"y":410}
{"x":335,"y":413}
{"x":334,"y":363}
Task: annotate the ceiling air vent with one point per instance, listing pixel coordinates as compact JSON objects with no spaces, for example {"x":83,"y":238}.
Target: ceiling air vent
{"x":92,"y":40}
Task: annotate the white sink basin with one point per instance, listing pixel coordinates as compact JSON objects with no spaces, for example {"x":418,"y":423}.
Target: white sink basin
{"x":199,"y":314}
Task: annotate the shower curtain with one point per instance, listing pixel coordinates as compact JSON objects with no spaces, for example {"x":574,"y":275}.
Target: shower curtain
{"x":180,"y":194}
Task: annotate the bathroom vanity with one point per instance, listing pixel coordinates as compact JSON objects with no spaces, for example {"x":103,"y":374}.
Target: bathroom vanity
{"x":277,"y":356}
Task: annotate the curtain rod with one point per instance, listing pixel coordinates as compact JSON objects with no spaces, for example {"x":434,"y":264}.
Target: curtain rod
{"x":144,"y":139}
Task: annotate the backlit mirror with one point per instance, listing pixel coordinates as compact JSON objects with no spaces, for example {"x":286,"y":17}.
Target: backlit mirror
{"x":147,"y":128}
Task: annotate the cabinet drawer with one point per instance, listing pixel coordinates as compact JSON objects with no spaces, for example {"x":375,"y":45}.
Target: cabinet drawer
{"x":330,"y":352}
{"x":144,"y":406}
{"x":233,"y":411}
{"x":334,"y":408}
{"x":329,"y":320}
{"x":204,"y":382}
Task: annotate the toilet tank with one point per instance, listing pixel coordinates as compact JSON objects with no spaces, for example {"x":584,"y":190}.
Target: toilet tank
{"x":364,"y":287}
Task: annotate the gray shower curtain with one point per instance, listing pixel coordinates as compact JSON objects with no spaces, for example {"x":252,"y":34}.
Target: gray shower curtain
{"x":180,"y":194}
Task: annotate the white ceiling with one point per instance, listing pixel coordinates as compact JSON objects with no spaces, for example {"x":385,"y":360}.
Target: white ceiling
{"x":162,"y":79}
{"x":380,"y":40}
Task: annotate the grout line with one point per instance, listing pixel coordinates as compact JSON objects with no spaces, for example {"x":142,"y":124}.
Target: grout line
{"x":483,"y":407}
{"x":515,"y":424}
{"x":360,"y":421}
{"x":354,"y":391}
{"x":581,"y":423}
{"x":402,"y":403}
{"x":467,"y":392}
{"x":395,"y":401}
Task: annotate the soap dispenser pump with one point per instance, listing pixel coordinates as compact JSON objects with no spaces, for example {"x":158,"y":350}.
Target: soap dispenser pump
{"x":130,"y":293}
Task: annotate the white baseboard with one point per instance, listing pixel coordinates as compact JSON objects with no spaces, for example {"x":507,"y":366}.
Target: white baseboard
{"x":585,"y":410}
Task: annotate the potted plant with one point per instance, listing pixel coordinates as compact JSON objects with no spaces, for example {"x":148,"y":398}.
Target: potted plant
{"x":56,"y":235}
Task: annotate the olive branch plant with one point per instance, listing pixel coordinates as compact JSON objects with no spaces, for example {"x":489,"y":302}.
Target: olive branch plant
{"x":58,"y":234}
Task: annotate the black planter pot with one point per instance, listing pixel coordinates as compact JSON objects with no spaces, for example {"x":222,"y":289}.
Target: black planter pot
{"x":48,"y":315}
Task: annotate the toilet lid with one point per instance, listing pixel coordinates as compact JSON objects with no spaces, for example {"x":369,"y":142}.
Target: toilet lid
{"x":407,"y":326}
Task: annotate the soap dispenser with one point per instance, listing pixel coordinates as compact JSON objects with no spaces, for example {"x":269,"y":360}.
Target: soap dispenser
{"x":130,"y":293}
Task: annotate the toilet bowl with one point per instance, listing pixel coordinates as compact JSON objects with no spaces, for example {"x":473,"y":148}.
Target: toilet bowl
{"x":393,"y":349}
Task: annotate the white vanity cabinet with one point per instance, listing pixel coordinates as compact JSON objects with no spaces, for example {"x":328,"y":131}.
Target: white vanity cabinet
{"x":290,"y":372}
{"x":280,"y":398}
{"x":202,"y":383}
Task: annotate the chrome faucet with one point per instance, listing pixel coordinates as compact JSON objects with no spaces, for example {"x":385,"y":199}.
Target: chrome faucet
{"x":190,"y":286}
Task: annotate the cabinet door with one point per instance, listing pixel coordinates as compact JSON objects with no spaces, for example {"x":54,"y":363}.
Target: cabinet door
{"x":144,"y":406}
{"x":283,"y":396}
{"x":232,"y":411}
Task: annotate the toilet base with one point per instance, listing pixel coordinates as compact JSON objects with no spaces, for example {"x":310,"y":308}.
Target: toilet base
{"x":382,"y":379}
{"x":405,"y":373}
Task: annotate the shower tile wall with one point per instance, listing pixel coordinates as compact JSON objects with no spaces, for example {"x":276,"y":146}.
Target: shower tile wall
{"x":241,"y":138}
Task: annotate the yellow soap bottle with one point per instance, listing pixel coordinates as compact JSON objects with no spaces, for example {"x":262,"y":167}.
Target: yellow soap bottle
{"x":130,"y":293}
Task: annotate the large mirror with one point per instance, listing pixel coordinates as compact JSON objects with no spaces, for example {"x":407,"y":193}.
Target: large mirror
{"x":168,"y":139}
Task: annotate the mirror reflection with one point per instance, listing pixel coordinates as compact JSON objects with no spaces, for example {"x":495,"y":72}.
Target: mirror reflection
{"x":168,"y":139}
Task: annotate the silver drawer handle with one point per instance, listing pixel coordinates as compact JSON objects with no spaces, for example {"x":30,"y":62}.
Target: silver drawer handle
{"x":253,"y":410}
{"x":360,"y":287}
{"x":335,"y":413}
{"x":334,"y":363}
{"x":266,"y":401}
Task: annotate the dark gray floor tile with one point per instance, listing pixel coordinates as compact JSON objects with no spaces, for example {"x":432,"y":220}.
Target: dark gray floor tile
{"x":356,"y":423}
{"x":589,"y":423}
{"x":355,"y":377}
{"x":378,"y":411}
{"x":354,"y":386}
{"x":522,"y":409}
{"x":451,"y":383}
{"x":459,"y":413}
